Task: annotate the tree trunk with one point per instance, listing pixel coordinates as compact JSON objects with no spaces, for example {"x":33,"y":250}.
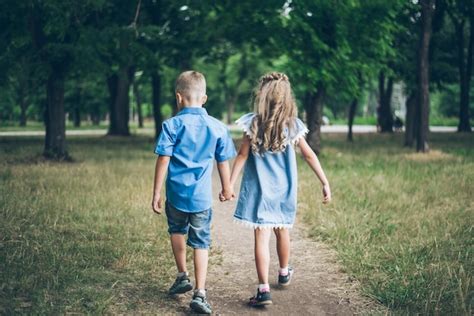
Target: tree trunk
{"x":119,"y":86}
{"x":95,"y":118}
{"x":230,"y":111}
{"x":77,"y":116}
{"x":314,"y":111}
{"x":23,"y":107}
{"x":465,"y":69}
{"x":231,"y":95}
{"x":352,"y":112}
{"x":156,"y":87}
{"x":55,"y":139}
{"x":423,"y":108}
{"x":385,"y":112}
{"x":138,"y":98}
{"x":410,"y":120}
{"x":22,"y":116}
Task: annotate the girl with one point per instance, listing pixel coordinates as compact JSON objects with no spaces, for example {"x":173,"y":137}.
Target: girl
{"x":267,"y":199}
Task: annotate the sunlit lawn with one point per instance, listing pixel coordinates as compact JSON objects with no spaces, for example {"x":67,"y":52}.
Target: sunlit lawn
{"x":401,"y":222}
{"x":80,"y":237}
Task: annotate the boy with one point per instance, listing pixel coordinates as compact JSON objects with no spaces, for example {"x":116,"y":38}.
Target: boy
{"x":187,"y":146}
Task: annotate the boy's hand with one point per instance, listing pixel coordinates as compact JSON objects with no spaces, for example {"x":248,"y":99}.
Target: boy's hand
{"x":156,"y":204}
{"x":226,"y":195}
{"x":326,"y":194}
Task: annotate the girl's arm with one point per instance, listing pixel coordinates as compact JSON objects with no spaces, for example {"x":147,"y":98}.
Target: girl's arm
{"x":240,"y":160}
{"x":313,"y":161}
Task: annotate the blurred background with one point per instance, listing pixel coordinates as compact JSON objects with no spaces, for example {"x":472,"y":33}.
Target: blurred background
{"x":397,"y":65}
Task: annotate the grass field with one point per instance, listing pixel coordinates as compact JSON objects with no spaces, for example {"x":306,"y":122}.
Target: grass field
{"x":402,"y":223}
{"x":80,"y":237}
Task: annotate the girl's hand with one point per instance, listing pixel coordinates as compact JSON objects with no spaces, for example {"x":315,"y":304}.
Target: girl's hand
{"x":326,"y":194}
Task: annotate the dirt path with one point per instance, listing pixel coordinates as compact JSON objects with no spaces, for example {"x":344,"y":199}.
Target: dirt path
{"x":318,"y":287}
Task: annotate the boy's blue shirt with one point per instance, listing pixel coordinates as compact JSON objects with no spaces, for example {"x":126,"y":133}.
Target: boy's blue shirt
{"x":193,"y":139}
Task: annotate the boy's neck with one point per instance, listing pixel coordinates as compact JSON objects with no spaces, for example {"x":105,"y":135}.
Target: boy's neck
{"x":190,"y":105}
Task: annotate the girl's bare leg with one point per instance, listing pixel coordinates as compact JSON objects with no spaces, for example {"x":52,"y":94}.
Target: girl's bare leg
{"x":283,"y":246}
{"x":262,"y":254}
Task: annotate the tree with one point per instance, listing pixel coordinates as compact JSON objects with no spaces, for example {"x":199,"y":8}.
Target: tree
{"x":384,"y":113}
{"x":52,"y":38}
{"x":49,"y":43}
{"x":114,"y":46}
{"x":422,"y":109}
{"x":138,"y":100}
{"x":461,"y":14}
{"x":410,"y":104}
{"x":328,"y":56}
{"x":21,"y":81}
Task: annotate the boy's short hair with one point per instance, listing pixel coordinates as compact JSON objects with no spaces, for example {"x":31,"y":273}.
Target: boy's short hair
{"x":191,"y":84}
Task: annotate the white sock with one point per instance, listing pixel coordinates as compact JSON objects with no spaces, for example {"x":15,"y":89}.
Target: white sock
{"x":264,"y":287}
{"x":283,"y":271}
{"x":182,"y":274}
{"x":202,"y":292}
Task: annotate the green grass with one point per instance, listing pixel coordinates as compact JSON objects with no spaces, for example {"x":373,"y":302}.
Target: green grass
{"x":401,"y":223}
{"x":81,"y":237}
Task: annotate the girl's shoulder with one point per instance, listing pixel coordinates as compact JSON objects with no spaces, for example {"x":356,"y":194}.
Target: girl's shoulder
{"x":245,"y":121}
{"x":297,"y":130}
{"x":294,"y":131}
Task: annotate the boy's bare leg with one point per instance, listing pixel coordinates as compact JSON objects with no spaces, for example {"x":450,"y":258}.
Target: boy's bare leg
{"x":178,"y":243}
{"x":283,"y":246}
{"x":200,"y":267}
{"x":262,"y":254}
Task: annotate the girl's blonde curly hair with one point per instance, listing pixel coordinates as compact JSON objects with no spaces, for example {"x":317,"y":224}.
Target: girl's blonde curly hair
{"x":275,"y":108}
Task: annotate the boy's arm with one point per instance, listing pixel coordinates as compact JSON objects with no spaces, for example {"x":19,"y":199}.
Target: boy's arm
{"x":313,"y":161}
{"x":240,"y":160}
{"x":161,"y":167}
{"x":224,"y":174}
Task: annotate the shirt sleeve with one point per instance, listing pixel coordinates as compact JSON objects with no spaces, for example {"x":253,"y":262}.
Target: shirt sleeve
{"x":244,"y":122}
{"x":299,"y":130}
{"x":166,"y":141}
{"x":225,"y":148}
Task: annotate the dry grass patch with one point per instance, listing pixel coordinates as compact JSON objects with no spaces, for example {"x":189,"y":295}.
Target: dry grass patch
{"x":432,"y":155}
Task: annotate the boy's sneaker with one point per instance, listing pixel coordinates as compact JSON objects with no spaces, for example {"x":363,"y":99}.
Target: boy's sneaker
{"x":181,"y":285}
{"x":261,"y":299}
{"x":199,"y":304}
{"x":284,"y":280}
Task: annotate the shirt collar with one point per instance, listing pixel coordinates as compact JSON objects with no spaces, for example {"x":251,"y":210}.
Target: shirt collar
{"x":193,"y":110}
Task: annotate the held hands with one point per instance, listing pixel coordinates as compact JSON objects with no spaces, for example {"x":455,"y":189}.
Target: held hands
{"x":156,"y":204}
{"x":326,"y":194}
{"x":226,"y":195}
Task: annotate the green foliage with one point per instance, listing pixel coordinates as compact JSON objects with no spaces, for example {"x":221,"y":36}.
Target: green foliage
{"x":337,"y":46}
{"x":341,"y":47}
